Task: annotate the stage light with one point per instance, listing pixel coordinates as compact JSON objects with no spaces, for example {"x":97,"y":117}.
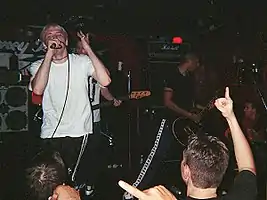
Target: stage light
{"x":177,"y":40}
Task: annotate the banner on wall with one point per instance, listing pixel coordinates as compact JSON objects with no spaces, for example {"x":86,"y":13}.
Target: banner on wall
{"x":26,"y":51}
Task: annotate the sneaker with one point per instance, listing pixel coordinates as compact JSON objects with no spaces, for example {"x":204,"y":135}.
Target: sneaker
{"x":89,"y":191}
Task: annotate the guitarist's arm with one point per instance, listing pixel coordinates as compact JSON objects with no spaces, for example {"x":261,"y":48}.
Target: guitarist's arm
{"x":168,"y":102}
{"x":108,"y":96}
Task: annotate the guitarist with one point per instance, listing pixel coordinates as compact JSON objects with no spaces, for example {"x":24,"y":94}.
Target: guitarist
{"x":179,"y":89}
{"x":178,"y":98}
{"x":93,"y":150}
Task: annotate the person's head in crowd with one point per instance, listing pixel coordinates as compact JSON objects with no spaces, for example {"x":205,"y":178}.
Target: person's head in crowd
{"x":251,"y":109}
{"x":204,"y":163}
{"x":65,"y":192}
{"x":46,"y":172}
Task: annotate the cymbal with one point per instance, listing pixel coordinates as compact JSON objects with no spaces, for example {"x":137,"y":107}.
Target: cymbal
{"x":31,"y":59}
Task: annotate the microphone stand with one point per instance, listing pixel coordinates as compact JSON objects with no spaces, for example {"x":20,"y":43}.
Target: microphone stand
{"x":259,"y":92}
{"x":129,"y":121}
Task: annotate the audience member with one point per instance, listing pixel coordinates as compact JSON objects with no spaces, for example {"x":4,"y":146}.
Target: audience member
{"x":205,"y":161}
{"x":65,"y":192}
{"x":46,"y":172}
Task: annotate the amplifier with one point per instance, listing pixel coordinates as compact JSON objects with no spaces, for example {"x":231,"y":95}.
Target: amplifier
{"x":164,"y":51}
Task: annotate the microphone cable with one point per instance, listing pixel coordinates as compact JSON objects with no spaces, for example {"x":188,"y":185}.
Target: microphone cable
{"x":65,"y":101}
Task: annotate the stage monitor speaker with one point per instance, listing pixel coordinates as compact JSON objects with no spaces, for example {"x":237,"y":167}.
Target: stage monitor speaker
{"x":13,"y":108}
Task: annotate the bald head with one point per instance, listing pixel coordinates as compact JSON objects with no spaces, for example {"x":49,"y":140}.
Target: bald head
{"x":190,"y":61}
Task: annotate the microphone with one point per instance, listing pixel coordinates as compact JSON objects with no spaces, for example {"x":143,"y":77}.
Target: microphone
{"x":54,"y":46}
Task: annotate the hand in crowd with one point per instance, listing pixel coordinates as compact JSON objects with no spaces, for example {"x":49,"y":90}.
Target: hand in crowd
{"x":155,"y":193}
{"x":65,"y":192}
{"x":116,"y":102}
{"x":84,"y":40}
{"x":225,"y":105}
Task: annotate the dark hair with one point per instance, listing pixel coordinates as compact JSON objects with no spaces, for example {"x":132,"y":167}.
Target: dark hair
{"x":207,"y":158}
{"x":254,"y":104}
{"x":44,"y":175}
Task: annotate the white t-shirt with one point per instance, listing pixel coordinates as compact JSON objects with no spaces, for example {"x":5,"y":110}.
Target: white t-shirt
{"x":77,"y":116}
{"x":94,"y":94}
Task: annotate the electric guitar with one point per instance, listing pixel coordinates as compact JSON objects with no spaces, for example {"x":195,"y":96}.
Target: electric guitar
{"x":183,"y":127}
{"x":133,"y":95}
{"x":37,"y":100}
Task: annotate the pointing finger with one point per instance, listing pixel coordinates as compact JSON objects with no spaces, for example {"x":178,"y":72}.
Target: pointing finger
{"x":227,"y":96}
{"x":132,"y":190}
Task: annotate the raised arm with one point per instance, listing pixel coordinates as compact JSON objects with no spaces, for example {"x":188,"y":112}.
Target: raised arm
{"x":155,"y":193}
{"x":40,"y":79}
{"x":242,"y":149}
{"x":100,"y":74}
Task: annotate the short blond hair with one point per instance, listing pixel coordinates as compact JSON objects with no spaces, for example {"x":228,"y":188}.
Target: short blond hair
{"x":51,"y":25}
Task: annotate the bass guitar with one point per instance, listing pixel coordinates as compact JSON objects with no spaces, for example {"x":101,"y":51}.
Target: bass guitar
{"x":37,"y":100}
{"x":183,"y":127}
{"x":133,"y":95}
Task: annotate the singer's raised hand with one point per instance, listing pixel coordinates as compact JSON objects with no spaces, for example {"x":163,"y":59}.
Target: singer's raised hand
{"x":84,"y":40}
{"x":155,"y":193}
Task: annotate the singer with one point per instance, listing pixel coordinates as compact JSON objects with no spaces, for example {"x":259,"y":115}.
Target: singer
{"x":62,"y":80}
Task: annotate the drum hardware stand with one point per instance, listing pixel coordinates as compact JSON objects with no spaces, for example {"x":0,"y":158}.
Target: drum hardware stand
{"x":36,"y":115}
{"x":259,"y":92}
{"x":129,"y":88}
{"x":261,"y":97}
{"x":108,"y":135}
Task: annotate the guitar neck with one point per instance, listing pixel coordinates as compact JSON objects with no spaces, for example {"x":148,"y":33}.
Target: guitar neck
{"x":207,"y":108}
{"x":107,"y":103}
{"x":133,"y":95}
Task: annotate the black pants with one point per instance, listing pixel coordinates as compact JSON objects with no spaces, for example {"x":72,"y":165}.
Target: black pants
{"x":92,"y":163}
{"x":68,"y":147}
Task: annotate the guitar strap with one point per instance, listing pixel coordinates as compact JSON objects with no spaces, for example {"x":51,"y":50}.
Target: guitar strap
{"x":148,"y":161}
{"x":91,"y":88}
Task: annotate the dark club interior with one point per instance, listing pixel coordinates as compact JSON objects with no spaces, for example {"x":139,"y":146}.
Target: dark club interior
{"x":141,"y":44}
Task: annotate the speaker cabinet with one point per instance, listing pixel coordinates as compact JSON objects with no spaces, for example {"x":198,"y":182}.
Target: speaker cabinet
{"x":14,"y":108}
{"x":165,"y":51}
